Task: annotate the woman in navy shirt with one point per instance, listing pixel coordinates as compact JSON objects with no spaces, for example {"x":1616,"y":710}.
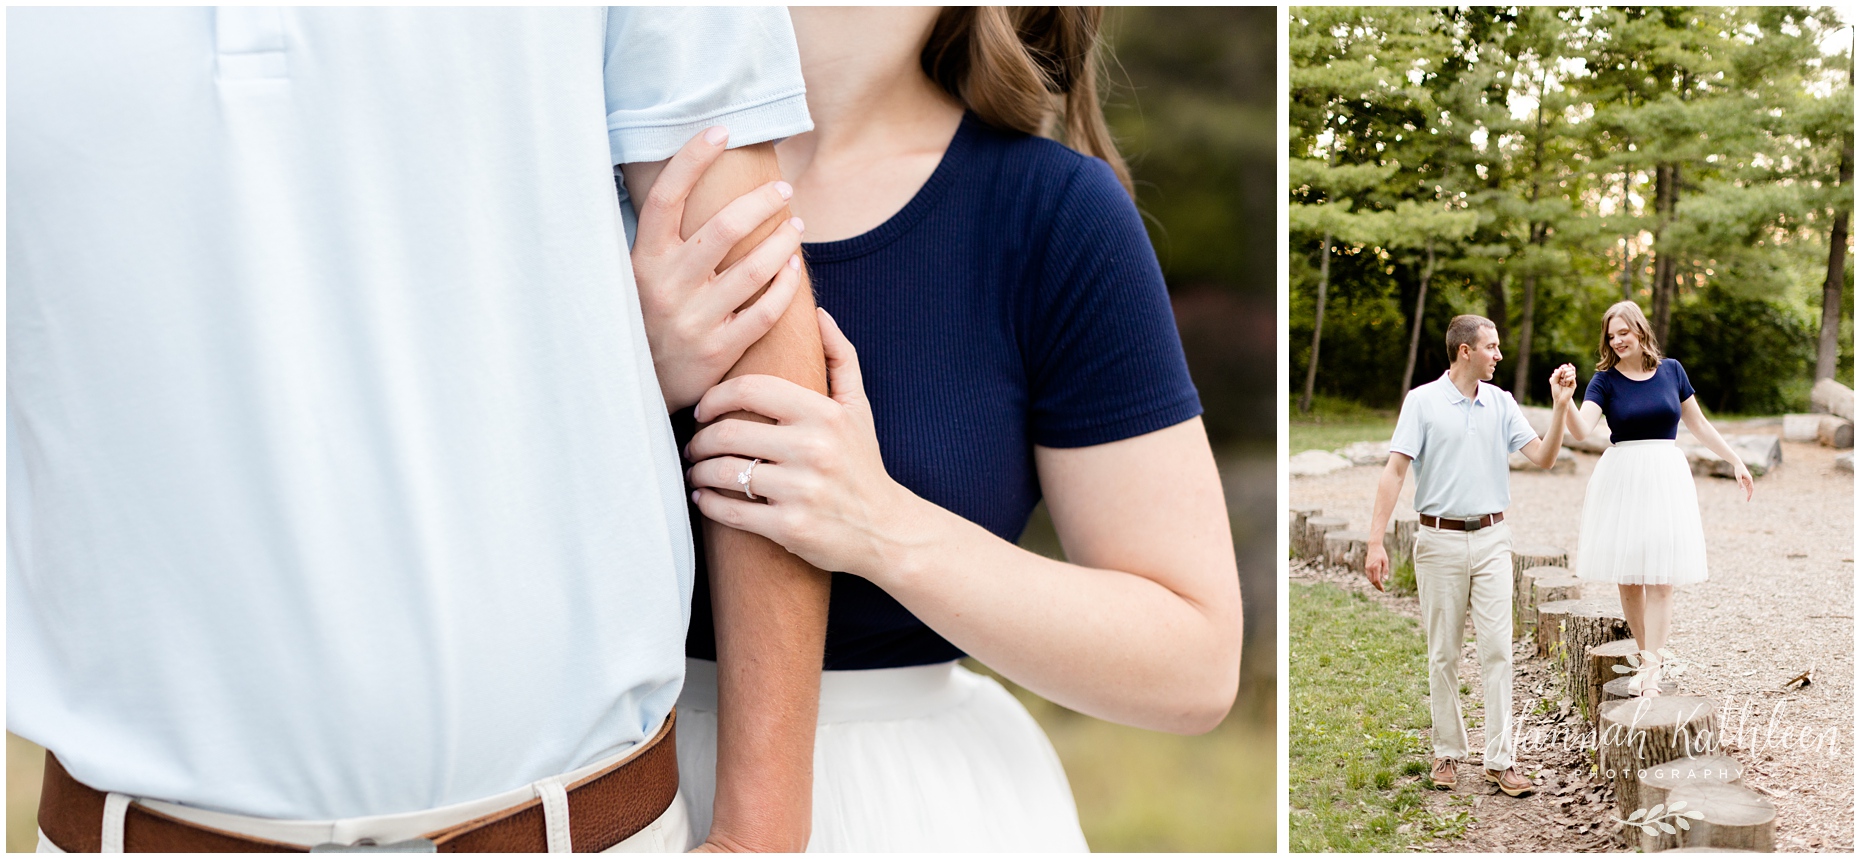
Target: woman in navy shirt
{"x":1640,"y":517}
{"x":1015,"y":341}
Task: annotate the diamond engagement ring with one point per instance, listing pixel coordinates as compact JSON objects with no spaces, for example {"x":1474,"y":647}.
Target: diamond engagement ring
{"x":743,"y":477}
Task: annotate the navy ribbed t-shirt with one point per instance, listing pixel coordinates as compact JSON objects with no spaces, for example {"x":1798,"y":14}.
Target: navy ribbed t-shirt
{"x":1641,"y":410}
{"x":1014,"y":301}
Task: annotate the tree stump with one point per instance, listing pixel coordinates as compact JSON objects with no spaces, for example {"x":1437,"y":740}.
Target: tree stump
{"x":1300,"y":515}
{"x":1398,"y":539}
{"x":1657,"y":782}
{"x":1315,"y":529}
{"x":1593,"y":621}
{"x":1641,"y":733}
{"x":1734,"y":817}
{"x":1617,"y":689}
{"x":1529,"y":598}
{"x":1347,"y":549}
{"x":1591,"y":674}
{"x":1524,"y":558}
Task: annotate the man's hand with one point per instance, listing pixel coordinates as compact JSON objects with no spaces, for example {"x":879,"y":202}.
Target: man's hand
{"x":1562,"y":385}
{"x":1376,"y":565}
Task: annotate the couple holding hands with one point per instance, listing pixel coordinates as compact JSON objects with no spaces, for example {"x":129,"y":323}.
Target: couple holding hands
{"x":1640,"y":518}
{"x":346,"y":508}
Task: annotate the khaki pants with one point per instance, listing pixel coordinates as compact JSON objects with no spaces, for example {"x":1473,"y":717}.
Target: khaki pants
{"x":1456,"y":571}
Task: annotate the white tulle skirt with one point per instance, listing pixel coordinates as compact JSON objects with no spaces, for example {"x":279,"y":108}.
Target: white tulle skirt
{"x":1640,"y":518}
{"x":932,"y":758}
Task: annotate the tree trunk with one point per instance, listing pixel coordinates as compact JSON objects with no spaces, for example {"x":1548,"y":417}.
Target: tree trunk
{"x":1658,"y":783}
{"x":1398,"y":538}
{"x":1645,"y":732}
{"x":1666,"y":267}
{"x":1317,"y":327}
{"x":1521,"y":382}
{"x":1420,"y":307}
{"x":1828,"y":352}
{"x":1627,"y":242}
{"x":1496,"y":308}
{"x":1732,"y":817}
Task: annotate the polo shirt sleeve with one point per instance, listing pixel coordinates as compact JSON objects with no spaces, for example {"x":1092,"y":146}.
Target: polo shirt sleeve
{"x":672,"y":72}
{"x":1518,"y":431}
{"x":1408,"y":431}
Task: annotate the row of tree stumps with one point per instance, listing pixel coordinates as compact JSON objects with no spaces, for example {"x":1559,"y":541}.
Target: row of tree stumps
{"x":1661,"y":755}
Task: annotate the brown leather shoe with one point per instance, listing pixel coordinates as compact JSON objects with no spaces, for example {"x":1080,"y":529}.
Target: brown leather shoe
{"x":1446,"y":773}
{"x":1510,"y":781}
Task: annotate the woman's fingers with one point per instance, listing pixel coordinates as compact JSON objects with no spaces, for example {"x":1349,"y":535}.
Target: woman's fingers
{"x":735,"y":512}
{"x":733,"y":289}
{"x":734,"y":222}
{"x":843,"y":377}
{"x":769,"y":396}
{"x":725,"y":472}
{"x":746,"y":439}
{"x":664,"y":207}
{"x":750,"y":323}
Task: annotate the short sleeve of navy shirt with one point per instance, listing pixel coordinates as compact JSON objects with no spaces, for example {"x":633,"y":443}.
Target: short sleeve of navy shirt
{"x":1646,"y":409}
{"x":1014,"y":301}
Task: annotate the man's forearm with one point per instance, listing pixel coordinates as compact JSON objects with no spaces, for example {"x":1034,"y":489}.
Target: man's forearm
{"x":1388,"y":489}
{"x":770,"y":608}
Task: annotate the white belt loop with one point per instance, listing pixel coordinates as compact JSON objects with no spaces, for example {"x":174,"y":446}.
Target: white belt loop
{"x":555,"y":814}
{"x":115,"y":808}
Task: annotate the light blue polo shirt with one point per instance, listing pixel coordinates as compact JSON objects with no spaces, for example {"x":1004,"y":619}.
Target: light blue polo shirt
{"x":339,"y":482}
{"x":1461,"y":447}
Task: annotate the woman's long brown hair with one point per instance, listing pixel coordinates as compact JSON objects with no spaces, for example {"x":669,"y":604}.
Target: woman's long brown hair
{"x":1023,"y":67}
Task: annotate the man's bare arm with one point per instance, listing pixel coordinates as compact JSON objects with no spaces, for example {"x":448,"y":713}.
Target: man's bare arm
{"x":770,"y":607}
{"x":1388,"y":490}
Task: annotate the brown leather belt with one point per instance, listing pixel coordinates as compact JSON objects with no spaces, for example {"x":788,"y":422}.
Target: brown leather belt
{"x":604,"y":809}
{"x":1470,"y":523}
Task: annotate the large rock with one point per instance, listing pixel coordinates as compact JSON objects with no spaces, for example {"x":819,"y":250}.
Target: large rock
{"x":1366,"y":452}
{"x":1801,"y":428}
{"x":1316,"y":463}
{"x":1539,"y":418}
{"x":1845,"y":462}
{"x":1832,"y":398}
{"x":1565,"y":462}
{"x":1760,"y":453}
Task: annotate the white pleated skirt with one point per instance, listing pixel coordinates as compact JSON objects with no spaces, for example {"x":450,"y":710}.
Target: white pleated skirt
{"x":1640,"y":518}
{"x":931,"y":758}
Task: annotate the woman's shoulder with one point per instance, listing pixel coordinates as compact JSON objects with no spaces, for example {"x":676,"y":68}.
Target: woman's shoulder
{"x":1053,"y":169}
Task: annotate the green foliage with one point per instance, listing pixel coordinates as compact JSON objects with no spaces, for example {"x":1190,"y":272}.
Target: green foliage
{"x":1358,"y":753}
{"x":1334,"y":422}
{"x":1744,"y":355}
{"x":1580,"y":152}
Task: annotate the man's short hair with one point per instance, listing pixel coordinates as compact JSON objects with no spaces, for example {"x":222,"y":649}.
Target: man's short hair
{"x":1464,"y":329}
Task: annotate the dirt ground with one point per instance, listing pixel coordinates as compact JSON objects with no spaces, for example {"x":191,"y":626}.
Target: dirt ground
{"x":1780,"y":601}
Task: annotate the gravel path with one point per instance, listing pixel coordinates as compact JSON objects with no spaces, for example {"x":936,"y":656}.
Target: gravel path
{"x":1780,"y":600}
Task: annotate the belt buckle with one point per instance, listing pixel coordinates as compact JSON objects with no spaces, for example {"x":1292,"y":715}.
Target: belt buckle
{"x":368,"y":845}
{"x":1472,"y":523}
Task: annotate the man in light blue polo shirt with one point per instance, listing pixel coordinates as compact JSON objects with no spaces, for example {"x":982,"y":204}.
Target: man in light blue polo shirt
{"x":342,"y":501}
{"x":1459,"y":433}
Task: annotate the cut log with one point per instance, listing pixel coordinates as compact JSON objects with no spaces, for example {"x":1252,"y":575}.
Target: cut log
{"x":1801,"y":428}
{"x":1315,"y":529}
{"x":1837,"y":433}
{"x":1346,"y":549}
{"x":1591,"y":622}
{"x":1641,"y":733}
{"x":1760,"y":453}
{"x":1299,"y":516}
{"x":1658,"y":782}
{"x":1566,"y":587}
{"x":1617,"y":689}
{"x":1524,"y":558}
{"x":1398,"y":539}
{"x":1593,"y":673}
{"x":1732,"y":816}
{"x":1832,"y":398}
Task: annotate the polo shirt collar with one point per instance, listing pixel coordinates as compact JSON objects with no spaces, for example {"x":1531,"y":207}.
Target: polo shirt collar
{"x":1454,"y":397}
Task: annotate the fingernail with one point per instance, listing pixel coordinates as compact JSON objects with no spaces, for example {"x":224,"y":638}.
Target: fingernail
{"x":716,"y":135}
{"x":798,"y":225}
{"x":794,"y":262}
{"x":694,"y":496}
{"x":784,"y":189}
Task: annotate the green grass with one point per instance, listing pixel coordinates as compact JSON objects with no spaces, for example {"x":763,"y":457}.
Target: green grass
{"x":1359,"y":711}
{"x":1335,"y":422}
{"x":1143,"y":791}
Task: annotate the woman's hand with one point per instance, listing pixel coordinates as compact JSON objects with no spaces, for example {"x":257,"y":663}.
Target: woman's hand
{"x":1745,"y":480}
{"x":822,"y":489}
{"x":699,"y":321}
